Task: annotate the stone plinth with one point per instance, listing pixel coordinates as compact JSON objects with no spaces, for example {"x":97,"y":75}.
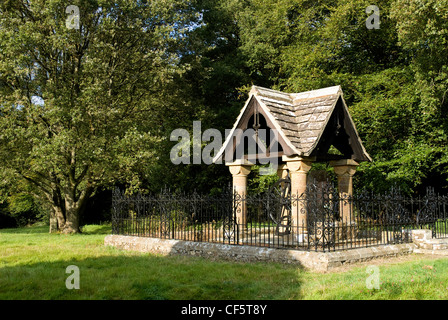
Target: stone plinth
{"x":345,"y":169}
{"x":298,"y":169}
{"x":240,"y":170}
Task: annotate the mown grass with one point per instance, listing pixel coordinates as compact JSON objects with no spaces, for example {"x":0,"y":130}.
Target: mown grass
{"x":425,"y":279}
{"x":33,"y":264}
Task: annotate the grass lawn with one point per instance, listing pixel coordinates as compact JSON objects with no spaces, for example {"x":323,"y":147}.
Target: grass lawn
{"x":33,"y":266}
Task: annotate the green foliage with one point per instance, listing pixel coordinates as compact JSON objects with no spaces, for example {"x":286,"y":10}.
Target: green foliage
{"x":258,"y":183}
{"x":89,"y":108}
{"x":103,"y":94}
{"x":24,"y":209}
{"x":394,"y":78}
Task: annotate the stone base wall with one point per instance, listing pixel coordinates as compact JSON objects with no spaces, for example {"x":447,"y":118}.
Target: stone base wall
{"x":319,"y":261}
{"x":423,"y":239}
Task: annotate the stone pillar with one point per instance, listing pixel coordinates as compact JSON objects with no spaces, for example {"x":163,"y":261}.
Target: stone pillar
{"x":345,"y":169}
{"x":282,"y":171}
{"x":298,"y":169}
{"x":240,"y":169}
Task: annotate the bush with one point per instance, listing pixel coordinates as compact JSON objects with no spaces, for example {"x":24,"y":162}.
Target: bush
{"x":24,"y":209}
{"x":6,"y":220}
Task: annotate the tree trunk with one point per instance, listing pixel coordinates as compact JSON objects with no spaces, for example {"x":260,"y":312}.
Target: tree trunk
{"x":72,"y":212}
{"x":72,"y":223}
{"x":57,"y":218}
{"x":60,"y":216}
{"x":57,"y":211}
{"x":53,"y":222}
{"x":74,"y":209}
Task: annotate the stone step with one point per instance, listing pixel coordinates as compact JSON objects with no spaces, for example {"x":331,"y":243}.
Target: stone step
{"x":443,"y":252}
{"x":435,"y":244}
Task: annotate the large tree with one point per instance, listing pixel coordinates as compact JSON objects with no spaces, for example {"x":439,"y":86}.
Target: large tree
{"x":83,"y":105}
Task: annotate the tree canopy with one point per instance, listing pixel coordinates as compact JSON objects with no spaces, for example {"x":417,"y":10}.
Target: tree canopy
{"x":394,"y":78}
{"x":82,"y":108}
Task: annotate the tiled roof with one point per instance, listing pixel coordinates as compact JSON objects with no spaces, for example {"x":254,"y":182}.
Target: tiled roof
{"x":301,"y":117}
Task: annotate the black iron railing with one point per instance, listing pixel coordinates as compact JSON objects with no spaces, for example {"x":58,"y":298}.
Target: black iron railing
{"x":320,"y":219}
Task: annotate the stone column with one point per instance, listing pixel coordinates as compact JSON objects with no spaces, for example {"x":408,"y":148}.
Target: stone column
{"x":345,"y":169}
{"x":298,"y":169}
{"x":282,"y":171}
{"x":240,"y":169}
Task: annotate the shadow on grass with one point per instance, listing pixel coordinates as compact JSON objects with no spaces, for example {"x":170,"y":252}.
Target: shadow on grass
{"x":37,"y":271}
{"x":96,"y":229}
{"x":35,"y":229}
{"x":44,"y":229}
{"x":128,"y":276}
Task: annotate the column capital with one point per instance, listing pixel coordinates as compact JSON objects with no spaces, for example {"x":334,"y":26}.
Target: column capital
{"x":344,"y":167}
{"x":298,"y":164}
{"x":240,"y":167}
